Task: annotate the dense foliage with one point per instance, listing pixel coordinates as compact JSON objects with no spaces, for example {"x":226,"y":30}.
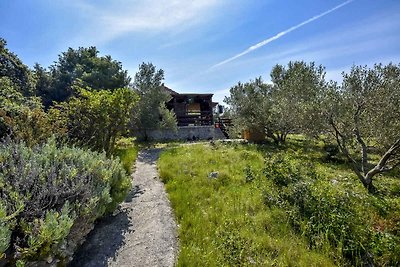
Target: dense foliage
{"x":287,"y":105}
{"x":51,"y":194}
{"x":13,"y":68}
{"x":360,"y":115}
{"x":83,"y":64}
{"x":251,"y":107}
{"x":96,"y":119}
{"x":50,"y":198}
{"x":151,"y":112}
{"x":23,"y":118}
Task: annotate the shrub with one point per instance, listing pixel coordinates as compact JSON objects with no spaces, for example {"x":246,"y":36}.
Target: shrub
{"x":23,"y":118}
{"x":327,"y":214}
{"x":96,"y":119}
{"x":331,"y":151}
{"x":333,"y":219}
{"x":50,"y":198}
{"x":284,"y":170}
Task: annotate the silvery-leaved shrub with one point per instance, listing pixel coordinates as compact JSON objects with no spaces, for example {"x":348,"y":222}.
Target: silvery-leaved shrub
{"x":50,"y":197}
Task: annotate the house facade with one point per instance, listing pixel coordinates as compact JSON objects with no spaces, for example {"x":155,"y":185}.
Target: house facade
{"x":191,"y":109}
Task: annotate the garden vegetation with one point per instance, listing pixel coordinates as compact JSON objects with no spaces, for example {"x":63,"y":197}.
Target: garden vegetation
{"x":64,"y":156}
{"x":268,"y":205}
{"x":325,"y":192}
{"x":305,"y":201}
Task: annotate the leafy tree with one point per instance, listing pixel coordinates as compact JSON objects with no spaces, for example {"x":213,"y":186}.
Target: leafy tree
{"x":13,"y":68}
{"x":82,"y":64}
{"x":151,"y":112}
{"x":250,"y":104}
{"x":296,"y":96}
{"x":43,"y":83}
{"x":97,"y":118}
{"x":23,"y":118}
{"x":289,"y":105}
{"x":364,"y":113}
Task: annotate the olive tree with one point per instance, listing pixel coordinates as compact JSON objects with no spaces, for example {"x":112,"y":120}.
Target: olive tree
{"x":290,"y":104}
{"x":364,"y":114}
{"x":250,"y":106}
{"x":151,"y":112}
{"x":296,"y":96}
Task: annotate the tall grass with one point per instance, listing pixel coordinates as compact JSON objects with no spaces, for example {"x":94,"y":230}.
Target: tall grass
{"x":127,"y":151}
{"x":223,"y":220}
{"x":283,"y":206}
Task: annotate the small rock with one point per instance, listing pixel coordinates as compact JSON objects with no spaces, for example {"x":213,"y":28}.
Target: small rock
{"x":213,"y":175}
{"x":49,"y":259}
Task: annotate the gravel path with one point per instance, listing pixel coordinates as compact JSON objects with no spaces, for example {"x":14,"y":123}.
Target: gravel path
{"x":143,"y":233}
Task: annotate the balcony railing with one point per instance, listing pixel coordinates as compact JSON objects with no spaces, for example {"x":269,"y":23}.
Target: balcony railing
{"x":194,"y":118}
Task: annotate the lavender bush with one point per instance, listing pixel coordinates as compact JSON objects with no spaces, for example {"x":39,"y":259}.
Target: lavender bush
{"x":50,"y":197}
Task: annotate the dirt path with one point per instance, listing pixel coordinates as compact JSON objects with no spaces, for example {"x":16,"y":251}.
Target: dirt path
{"x":143,"y":233}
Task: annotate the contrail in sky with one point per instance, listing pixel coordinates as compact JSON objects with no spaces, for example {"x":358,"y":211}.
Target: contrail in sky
{"x":279,"y":35}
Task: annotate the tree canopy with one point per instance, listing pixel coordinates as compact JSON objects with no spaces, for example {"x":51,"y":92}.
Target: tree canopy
{"x":361,"y":114}
{"x":287,"y":105}
{"x":364,"y":113}
{"x":250,"y":104}
{"x":82,"y":65}
{"x":296,"y":96}
{"x":151,"y":112}
{"x":13,"y":68}
{"x":96,"y":119}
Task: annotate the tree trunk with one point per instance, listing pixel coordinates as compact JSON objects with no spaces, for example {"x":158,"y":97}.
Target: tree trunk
{"x":271,"y":135}
{"x":368,"y":184}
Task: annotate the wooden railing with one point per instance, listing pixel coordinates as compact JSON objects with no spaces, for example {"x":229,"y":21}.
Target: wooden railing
{"x":203,"y":118}
{"x":223,"y":124}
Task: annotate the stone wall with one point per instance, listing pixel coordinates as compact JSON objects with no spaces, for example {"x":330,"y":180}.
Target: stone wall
{"x":188,"y":133}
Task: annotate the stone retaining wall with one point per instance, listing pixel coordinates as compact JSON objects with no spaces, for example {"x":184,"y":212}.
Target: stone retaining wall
{"x":188,"y":133}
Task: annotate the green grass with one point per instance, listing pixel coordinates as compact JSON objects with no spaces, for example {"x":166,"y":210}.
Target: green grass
{"x":247,"y":217}
{"x":223,"y":221}
{"x":127,"y":153}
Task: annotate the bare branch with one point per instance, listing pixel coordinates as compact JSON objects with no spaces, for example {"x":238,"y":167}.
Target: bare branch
{"x":382,"y":164}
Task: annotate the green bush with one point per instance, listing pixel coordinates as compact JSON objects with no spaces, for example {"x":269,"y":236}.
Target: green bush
{"x":331,"y":150}
{"x":50,"y":198}
{"x":96,"y":119}
{"x":23,"y":118}
{"x":334,"y":217}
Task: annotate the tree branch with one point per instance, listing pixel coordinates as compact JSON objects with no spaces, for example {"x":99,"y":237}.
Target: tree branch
{"x":340,"y":139}
{"x":382,"y":164}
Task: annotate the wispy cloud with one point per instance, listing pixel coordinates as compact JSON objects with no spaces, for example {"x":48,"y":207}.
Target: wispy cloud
{"x":116,"y":18}
{"x":281,"y":34}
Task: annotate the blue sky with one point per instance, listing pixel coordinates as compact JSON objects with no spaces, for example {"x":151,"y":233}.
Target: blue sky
{"x":207,"y":45}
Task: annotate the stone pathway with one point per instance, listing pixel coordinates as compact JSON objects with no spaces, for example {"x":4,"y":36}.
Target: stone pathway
{"x":143,"y":233}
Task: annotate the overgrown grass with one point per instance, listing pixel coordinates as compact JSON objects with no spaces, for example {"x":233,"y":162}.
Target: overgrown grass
{"x":127,"y":151}
{"x":283,"y":206}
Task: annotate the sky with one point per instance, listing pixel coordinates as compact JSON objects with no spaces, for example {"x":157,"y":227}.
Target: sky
{"x":207,"y":46}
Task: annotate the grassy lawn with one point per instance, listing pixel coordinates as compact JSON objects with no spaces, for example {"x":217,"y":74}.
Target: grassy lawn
{"x":271,"y":206}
